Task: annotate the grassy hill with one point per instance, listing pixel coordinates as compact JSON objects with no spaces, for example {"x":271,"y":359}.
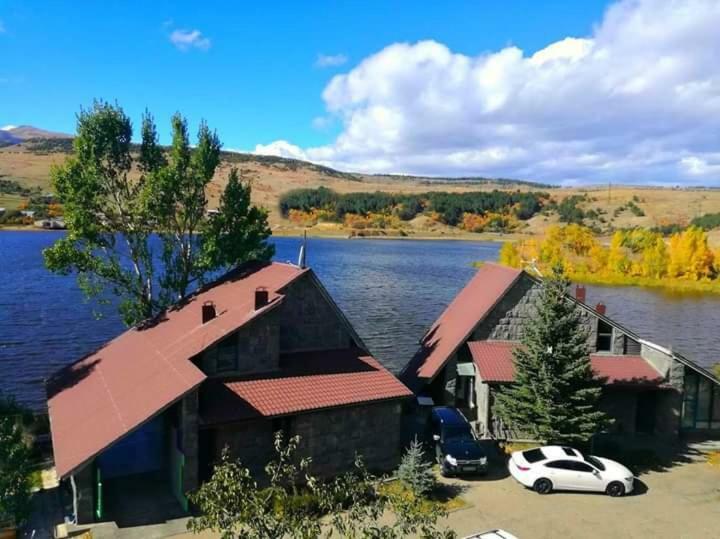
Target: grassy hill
{"x":29,"y":162}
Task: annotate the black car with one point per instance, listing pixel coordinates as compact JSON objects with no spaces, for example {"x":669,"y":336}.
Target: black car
{"x":456,"y":448}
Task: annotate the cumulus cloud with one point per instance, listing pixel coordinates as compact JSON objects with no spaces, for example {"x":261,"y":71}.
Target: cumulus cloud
{"x":637,"y":101}
{"x":185,"y":40}
{"x":281,"y":148}
{"x":330,"y":60}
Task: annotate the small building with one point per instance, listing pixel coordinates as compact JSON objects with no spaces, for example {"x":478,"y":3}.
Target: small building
{"x":142,"y":420}
{"x":467,"y":355}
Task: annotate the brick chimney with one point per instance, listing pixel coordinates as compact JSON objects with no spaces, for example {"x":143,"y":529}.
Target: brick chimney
{"x":600,"y":308}
{"x":580,"y":293}
{"x":208,"y":311}
{"x":262,"y":297}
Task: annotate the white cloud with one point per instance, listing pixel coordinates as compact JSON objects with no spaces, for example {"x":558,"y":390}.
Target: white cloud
{"x":185,"y":40}
{"x":637,"y":101}
{"x":330,"y":60}
{"x":7,"y":127}
{"x":281,"y":148}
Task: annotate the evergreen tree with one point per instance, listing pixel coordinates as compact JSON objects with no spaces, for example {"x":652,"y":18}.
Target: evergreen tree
{"x":14,"y":463}
{"x":415,"y":471}
{"x":555,"y":393}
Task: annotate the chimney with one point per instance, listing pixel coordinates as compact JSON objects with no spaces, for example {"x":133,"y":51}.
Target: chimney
{"x":600,"y":308}
{"x":580,"y":293}
{"x":262,"y":297}
{"x":208,"y":311}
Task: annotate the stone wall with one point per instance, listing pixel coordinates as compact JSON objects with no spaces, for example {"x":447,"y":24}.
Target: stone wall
{"x":190,"y":434}
{"x":250,"y":441}
{"x":333,"y":437}
{"x":84,"y":489}
{"x":257,"y":348}
{"x":308,"y":321}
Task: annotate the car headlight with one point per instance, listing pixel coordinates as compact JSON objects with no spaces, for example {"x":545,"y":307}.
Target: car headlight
{"x":452,"y":461}
{"x":483,"y":460}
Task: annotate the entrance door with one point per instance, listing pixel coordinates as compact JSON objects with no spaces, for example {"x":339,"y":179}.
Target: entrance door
{"x":645,"y":412}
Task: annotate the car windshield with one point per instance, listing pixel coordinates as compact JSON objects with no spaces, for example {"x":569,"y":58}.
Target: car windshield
{"x":457,"y":433}
{"x":534,"y":455}
{"x":595,"y":462}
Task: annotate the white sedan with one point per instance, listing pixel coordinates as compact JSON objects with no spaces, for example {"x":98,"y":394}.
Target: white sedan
{"x":549,"y":468}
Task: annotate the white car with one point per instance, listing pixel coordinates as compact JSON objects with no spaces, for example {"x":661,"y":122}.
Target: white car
{"x":553,"y":467}
{"x":492,"y":534}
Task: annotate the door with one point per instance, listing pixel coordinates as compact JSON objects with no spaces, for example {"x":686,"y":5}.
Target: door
{"x":562,"y":474}
{"x":645,"y":412}
{"x":587,"y":478}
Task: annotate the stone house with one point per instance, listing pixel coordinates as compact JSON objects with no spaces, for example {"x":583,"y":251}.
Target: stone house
{"x":467,"y":355}
{"x":140,"y":421}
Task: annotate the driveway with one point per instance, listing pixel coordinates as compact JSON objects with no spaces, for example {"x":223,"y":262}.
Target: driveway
{"x":681,"y":502}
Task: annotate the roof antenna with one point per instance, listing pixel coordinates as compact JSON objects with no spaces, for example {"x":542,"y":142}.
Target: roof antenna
{"x":301,"y":255}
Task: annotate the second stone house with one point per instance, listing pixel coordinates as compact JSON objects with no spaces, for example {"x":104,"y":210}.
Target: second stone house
{"x":263,"y":349}
{"x":467,"y":356}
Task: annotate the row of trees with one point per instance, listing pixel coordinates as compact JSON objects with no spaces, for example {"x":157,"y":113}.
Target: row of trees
{"x":450,"y":207}
{"x":637,"y":253}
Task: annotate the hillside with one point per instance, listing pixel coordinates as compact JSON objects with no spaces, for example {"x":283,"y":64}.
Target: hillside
{"x":28,"y":163}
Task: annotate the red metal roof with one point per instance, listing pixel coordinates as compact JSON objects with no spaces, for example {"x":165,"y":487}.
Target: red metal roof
{"x":99,"y":399}
{"x":457,"y":322}
{"x":494,"y":362}
{"x":306,"y":381}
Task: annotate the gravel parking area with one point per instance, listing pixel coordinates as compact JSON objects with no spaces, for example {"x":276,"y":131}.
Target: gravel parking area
{"x":682,"y":501}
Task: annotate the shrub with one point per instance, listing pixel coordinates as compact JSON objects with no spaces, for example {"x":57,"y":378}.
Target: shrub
{"x":415,"y":471}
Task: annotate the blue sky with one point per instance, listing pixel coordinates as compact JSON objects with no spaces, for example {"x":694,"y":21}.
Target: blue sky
{"x":477,"y":87}
{"x":257,"y":81}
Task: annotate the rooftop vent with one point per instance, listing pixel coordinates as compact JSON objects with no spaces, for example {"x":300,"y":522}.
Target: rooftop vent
{"x":580,"y":293}
{"x":601,"y":308}
{"x":262,"y":297}
{"x":208,"y":311}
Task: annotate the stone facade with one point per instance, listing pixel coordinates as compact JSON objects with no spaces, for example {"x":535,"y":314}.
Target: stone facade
{"x":309,"y":321}
{"x":331,"y":438}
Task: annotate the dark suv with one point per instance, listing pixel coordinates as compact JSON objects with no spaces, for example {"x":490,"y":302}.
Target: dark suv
{"x":456,"y":448}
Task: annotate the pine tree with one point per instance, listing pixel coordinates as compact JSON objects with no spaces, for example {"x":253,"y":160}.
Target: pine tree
{"x":555,"y":393}
{"x":415,"y":471}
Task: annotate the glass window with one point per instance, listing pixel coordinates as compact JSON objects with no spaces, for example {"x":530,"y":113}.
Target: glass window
{"x":595,"y":462}
{"x":582,"y":467}
{"x":604,"y":337}
{"x":702,"y":417}
{"x":689,"y":399}
{"x":561,"y":465}
{"x":715,"y":419}
{"x":534,"y":455}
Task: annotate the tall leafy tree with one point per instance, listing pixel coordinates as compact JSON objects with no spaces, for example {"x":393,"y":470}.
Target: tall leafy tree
{"x":14,"y":463}
{"x":137,"y":216}
{"x":555,"y":393}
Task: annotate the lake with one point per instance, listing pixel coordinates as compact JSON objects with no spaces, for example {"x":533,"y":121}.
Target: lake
{"x":391,"y":290}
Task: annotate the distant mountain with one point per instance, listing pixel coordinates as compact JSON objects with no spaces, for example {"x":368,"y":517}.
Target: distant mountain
{"x":7,"y":138}
{"x":27,"y":132}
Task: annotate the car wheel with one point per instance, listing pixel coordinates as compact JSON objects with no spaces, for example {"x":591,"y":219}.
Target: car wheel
{"x":543,"y":486}
{"x":615,"y":489}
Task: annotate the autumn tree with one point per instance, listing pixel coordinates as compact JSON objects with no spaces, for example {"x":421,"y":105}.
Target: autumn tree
{"x":555,"y":394}
{"x":137,"y":217}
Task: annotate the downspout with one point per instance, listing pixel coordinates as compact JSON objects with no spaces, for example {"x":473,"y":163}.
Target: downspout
{"x":74,"y":496}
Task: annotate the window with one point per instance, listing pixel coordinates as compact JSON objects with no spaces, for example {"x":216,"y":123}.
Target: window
{"x":534,"y":455}
{"x":570,"y":452}
{"x":561,"y":465}
{"x":604,"y":337}
{"x":701,"y":402}
{"x":227,"y":354}
{"x":595,"y":462}
{"x":582,"y":467}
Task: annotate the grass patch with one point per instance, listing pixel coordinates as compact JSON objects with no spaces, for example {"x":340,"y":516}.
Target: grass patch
{"x":11,"y":202}
{"x":447,"y":496}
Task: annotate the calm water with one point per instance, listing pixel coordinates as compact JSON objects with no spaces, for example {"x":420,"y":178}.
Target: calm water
{"x":390,"y":290}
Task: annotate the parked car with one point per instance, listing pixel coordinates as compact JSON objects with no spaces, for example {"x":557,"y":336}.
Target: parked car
{"x":492,"y":534}
{"x":457,"y":450}
{"x":549,"y":468}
